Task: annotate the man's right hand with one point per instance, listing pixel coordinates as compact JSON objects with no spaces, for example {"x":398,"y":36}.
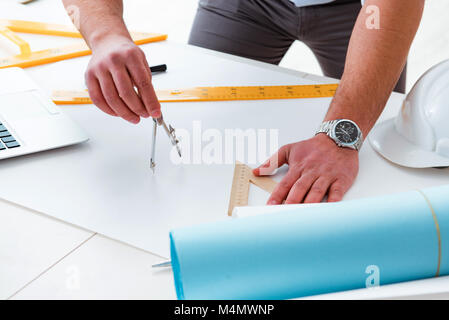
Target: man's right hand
{"x":117,"y":67}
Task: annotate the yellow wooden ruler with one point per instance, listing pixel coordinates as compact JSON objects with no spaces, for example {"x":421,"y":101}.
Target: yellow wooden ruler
{"x":217,"y":93}
{"x":29,"y":58}
{"x":243,"y":177}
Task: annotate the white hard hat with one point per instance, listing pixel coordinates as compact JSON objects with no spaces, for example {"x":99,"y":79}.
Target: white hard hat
{"x":419,"y":136}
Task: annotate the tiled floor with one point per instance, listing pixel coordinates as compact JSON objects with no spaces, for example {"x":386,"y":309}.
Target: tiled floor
{"x":106,"y":269}
{"x":30,"y":244}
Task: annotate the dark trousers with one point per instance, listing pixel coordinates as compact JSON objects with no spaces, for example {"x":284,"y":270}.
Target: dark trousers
{"x":265,"y":29}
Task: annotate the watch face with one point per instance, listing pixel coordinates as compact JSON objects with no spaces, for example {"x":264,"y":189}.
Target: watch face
{"x":346,"y":132}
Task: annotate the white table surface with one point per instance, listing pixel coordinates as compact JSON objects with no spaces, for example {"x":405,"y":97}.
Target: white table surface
{"x":43,"y":258}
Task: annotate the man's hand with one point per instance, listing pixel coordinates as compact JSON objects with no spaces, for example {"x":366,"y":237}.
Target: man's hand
{"x":374,"y":63}
{"x":117,"y":67}
{"x":317,"y":167}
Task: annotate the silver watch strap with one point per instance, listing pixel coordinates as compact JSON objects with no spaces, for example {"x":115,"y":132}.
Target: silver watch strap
{"x":326,"y":126}
{"x":358,"y":144}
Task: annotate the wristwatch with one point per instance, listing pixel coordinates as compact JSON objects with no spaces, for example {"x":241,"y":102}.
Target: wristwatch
{"x":346,"y":133}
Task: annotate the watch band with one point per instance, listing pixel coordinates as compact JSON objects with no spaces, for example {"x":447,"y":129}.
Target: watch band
{"x":326,"y":126}
{"x":358,"y":144}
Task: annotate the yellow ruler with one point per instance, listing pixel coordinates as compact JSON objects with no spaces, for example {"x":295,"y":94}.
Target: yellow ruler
{"x":29,"y":58}
{"x":243,"y":177}
{"x":217,"y":93}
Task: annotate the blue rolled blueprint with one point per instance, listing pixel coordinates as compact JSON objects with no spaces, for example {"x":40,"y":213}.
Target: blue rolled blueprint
{"x":315,"y":250}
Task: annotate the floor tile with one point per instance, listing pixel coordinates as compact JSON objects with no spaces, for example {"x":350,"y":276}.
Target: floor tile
{"x":30,"y":243}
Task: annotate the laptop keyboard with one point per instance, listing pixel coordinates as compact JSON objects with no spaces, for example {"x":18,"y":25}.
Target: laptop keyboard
{"x":7,"y":141}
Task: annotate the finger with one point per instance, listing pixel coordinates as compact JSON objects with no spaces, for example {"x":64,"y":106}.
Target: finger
{"x":96,"y":95}
{"x":276,"y":161}
{"x":113,"y":99}
{"x":282,"y":188}
{"x":127,"y":93}
{"x":300,"y":189}
{"x":337,"y":190}
{"x":318,"y":190}
{"x":141,"y":76}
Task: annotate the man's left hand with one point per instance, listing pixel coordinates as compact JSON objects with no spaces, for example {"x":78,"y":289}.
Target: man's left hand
{"x":317,"y":167}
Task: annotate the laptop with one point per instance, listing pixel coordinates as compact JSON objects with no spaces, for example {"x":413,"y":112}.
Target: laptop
{"x":29,"y":121}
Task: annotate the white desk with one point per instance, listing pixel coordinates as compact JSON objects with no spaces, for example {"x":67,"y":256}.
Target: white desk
{"x":41,"y":257}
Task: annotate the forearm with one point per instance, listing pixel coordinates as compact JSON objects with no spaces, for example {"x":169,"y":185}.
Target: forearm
{"x":374,"y":61}
{"x":118,"y":76}
{"x":99,"y":19}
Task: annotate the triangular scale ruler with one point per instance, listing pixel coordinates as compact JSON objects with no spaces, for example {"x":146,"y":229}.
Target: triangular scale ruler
{"x":233,"y":93}
{"x":200,"y":94}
